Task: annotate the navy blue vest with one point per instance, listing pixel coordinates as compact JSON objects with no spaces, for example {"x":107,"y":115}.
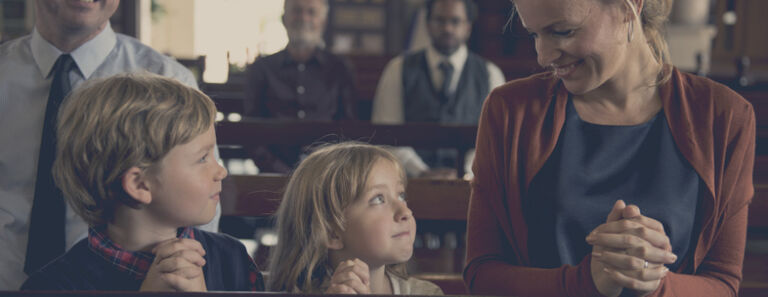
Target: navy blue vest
{"x":422,"y":103}
{"x":80,"y":269}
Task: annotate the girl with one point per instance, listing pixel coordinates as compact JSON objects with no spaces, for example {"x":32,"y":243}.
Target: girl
{"x":344,"y":208}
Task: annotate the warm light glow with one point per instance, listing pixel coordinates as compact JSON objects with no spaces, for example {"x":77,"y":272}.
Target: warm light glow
{"x":234,"y":117}
{"x":242,"y":29}
{"x":269,"y":239}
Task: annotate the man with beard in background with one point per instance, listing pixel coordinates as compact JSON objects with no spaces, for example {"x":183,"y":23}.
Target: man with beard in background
{"x":303,"y":82}
{"x":444,"y":83}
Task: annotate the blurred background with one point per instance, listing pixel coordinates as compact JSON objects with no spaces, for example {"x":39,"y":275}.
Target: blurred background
{"x":725,"y":40}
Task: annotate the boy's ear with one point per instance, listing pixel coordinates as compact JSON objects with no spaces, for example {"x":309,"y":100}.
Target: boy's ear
{"x":135,"y":184}
{"x":334,"y":242}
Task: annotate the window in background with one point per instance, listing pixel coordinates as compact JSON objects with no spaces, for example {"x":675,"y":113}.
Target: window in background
{"x":230,"y":33}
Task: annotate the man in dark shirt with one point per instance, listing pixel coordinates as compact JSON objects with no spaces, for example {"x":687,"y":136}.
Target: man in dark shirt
{"x":302,"y":82}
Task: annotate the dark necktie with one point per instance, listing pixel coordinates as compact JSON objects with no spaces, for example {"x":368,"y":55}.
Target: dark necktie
{"x":47,"y":220}
{"x":445,"y":90}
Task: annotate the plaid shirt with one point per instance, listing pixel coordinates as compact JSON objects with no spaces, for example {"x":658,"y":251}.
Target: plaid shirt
{"x":137,"y":264}
{"x":255,"y":277}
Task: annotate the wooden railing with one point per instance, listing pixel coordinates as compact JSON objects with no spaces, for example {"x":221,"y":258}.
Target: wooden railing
{"x":155,"y":294}
{"x":423,"y":135}
{"x":744,"y":292}
{"x":230,"y":101}
{"x":254,"y":132}
{"x":428,"y":199}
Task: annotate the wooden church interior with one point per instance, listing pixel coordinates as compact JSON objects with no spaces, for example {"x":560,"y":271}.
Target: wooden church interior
{"x":735,"y":53}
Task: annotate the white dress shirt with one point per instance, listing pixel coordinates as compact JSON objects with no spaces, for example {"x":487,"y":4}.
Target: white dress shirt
{"x":25,"y":80}
{"x":388,"y":102}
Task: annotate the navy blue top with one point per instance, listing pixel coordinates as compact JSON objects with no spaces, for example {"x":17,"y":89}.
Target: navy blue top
{"x":228,"y":268}
{"x":590,"y":168}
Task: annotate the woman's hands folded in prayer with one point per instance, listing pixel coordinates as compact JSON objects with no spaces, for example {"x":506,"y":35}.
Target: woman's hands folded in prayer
{"x":629,"y":251}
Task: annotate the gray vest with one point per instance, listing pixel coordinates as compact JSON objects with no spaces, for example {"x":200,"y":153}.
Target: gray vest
{"x":422,"y":103}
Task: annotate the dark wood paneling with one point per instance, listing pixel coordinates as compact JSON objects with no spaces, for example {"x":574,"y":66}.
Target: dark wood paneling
{"x":420,"y":135}
{"x":428,"y":198}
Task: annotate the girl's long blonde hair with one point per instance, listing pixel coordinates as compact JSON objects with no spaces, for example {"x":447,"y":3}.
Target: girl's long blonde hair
{"x":312,"y":210}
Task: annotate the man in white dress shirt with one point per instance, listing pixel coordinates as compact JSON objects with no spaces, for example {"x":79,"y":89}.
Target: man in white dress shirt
{"x":77,"y":31}
{"x":444,"y":83}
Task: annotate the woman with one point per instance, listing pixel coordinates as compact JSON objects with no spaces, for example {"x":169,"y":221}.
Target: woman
{"x":615,"y":173}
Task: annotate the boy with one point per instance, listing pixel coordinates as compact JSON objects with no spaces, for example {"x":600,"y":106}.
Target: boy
{"x":136,"y":161}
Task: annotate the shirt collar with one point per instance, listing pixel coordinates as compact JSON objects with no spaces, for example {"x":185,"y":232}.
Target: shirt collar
{"x":87,"y":57}
{"x":44,"y":53}
{"x":134,"y":263}
{"x":318,"y":56}
{"x":396,"y":290}
{"x":457,"y":59}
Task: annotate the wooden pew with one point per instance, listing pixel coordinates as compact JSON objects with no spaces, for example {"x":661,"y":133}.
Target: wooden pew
{"x":157,"y":294}
{"x":254,"y":132}
{"x":448,"y":200}
{"x":422,"y":135}
{"x":231,"y":101}
{"x":260,"y":196}
{"x":744,"y":292}
{"x":229,"y":97}
{"x":758,"y":210}
{"x":228,"y":102}
{"x":758,"y":96}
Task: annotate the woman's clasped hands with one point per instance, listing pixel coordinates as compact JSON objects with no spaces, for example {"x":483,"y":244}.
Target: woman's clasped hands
{"x":629,"y":252}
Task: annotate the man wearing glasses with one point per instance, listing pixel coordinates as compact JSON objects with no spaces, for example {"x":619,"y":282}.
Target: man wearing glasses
{"x":444,"y":83}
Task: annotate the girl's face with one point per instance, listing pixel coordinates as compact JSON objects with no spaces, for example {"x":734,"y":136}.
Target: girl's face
{"x":380,"y":228}
{"x":583,"y":41}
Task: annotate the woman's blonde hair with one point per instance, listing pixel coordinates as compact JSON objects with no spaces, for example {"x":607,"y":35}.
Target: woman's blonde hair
{"x":653,"y":18}
{"x":312,"y":210}
{"x":110,"y":125}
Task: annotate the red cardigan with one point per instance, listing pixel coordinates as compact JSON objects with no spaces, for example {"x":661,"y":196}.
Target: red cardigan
{"x":713,"y":127}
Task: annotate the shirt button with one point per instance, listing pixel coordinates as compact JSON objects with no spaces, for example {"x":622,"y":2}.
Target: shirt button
{"x":301,"y":114}
{"x":300,"y":90}
{"x":302,"y":67}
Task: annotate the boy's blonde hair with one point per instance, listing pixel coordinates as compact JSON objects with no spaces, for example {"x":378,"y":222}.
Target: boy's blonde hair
{"x":110,"y":125}
{"x":312,"y":210}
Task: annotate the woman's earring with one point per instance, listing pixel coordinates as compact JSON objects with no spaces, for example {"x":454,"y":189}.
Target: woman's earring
{"x":629,"y":31}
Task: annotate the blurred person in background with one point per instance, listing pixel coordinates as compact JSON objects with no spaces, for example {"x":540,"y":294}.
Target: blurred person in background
{"x":444,"y":83}
{"x":303,"y":82}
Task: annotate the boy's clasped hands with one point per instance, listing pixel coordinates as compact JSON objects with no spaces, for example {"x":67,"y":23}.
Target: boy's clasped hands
{"x":178,"y":266}
{"x":629,"y":251}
